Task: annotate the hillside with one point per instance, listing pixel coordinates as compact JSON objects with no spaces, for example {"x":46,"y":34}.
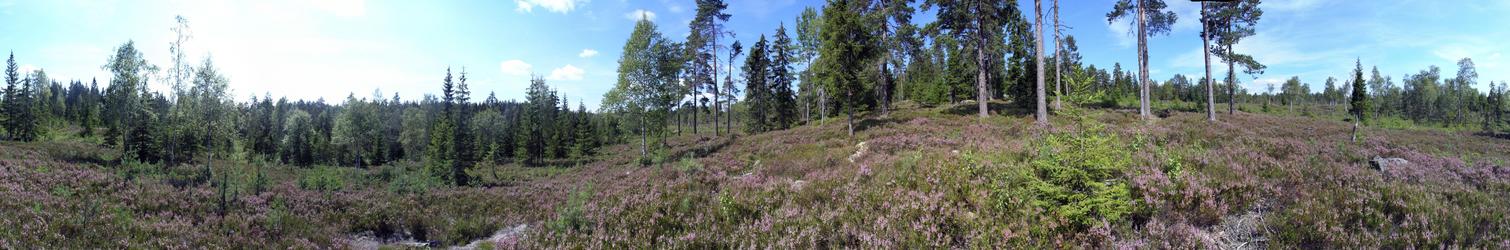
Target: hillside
{"x":922,"y":177}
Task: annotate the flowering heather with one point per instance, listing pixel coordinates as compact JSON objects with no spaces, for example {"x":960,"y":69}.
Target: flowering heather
{"x":927,"y":179}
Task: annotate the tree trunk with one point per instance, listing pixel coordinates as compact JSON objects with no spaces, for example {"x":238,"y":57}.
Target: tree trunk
{"x":1058,"y":61}
{"x":1231,"y":84}
{"x":822,"y":105}
{"x":1143,"y":104}
{"x":1206,"y":50}
{"x":882,"y":91}
{"x":850,"y":114}
{"x":644,"y":137}
{"x":1043,"y":108}
{"x":980,"y":75}
{"x":694,"y":112}
{"x":807,"y":112}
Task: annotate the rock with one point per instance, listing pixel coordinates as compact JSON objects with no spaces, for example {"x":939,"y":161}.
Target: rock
{"x":1384,"y":164}
{"x":858,"y":153}
{"x":507,"y":234}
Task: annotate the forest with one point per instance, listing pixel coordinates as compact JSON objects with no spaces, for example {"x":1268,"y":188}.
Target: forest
{"x":850,"y":126}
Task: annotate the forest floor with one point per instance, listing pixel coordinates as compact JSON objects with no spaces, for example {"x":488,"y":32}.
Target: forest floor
{"x":927,"y":177}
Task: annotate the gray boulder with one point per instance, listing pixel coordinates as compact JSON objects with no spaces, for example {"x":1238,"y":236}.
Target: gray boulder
{"x":1384,"y":164}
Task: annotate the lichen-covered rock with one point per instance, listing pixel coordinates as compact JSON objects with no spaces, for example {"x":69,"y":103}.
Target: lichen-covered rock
{"x":1384,"y":164}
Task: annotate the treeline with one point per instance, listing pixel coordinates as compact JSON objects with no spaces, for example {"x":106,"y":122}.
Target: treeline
{"x":201,"y":118}
{"x":197,"y":121}
{"x":1427,"y":97}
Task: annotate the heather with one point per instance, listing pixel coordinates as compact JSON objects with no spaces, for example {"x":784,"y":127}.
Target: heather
{"x":920,"y":177}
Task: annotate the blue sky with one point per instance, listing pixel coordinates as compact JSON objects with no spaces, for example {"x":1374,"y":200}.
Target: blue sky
{"x":307,"y":49}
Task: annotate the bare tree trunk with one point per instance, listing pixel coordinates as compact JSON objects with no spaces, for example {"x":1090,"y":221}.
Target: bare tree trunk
{"x":980,"y":61}
{"x":644,"y":137}
{"x":807,"y":112}
{"x":822,"y":105}
{"x":850,"y":112}
{"x":1043,"y":108}
{"x":884,"y":89}
{"x":1206,"y":50}
{"x":694,"y":112}
{"x":1231,"y":84}
{"x":1143,"y":104}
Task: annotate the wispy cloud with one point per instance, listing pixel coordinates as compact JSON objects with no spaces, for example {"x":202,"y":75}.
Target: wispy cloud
{"x":638,"y":14}
{"x":587,"y":53}
{"x":1293,"y":5}
{"x":1121,"y":31}
{"x":558,"y":6}
{"x":344,"y":8}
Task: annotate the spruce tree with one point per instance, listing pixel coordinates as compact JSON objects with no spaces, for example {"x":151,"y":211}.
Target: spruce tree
{"x":783,"y":100}
{"x":757,"y":100}
{"x":10,"y":106}
{"x":439,"y":155}
{"x":1359,"y":103}
{"x":846,"y":44}
{"x":464,"y":149}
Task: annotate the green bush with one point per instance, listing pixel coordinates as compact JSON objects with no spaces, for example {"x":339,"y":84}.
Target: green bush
{"x":1078,"y":176}
{"x":570,"y":218}
{"x":323,"y":178}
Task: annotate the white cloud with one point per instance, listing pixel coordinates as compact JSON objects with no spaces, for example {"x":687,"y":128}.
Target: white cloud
{"x":1292,"y":5}
{"x":344,"y":8}
{"x":515,"y":68}
{"x":1121,"y":30}
{"x":1262,"y":85}
{"x":558,"y":6}
{"x":1188,"y":14}
{"x":638,"y":14}
{"x":587,"y":53}
{"x":27,"y":69}
{"x":567,"y":73}
{"x":1488,"y":61}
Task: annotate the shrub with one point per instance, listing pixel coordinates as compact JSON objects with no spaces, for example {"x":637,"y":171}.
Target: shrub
{"x":323,"y":178}
{"x":570,"y":217}
{"x":1078,"y":176}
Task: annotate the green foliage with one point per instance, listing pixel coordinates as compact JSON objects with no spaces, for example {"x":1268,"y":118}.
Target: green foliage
{"x":1359,"y":105}
{"x":758,"y":96}
{"x":846,"y":46}
{"x":1078,"y":176}
{"x":647,"y":87}
{"x":783,"y":100}
{"x":570,"y":217}
{"x":324,"y":178}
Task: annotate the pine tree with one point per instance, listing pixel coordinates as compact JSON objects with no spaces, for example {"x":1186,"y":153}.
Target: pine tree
{"x":976,"y":24}
{"x":1150,"y":19}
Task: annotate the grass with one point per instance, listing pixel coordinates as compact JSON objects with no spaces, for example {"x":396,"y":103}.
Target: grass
{"x":927,"y":178}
